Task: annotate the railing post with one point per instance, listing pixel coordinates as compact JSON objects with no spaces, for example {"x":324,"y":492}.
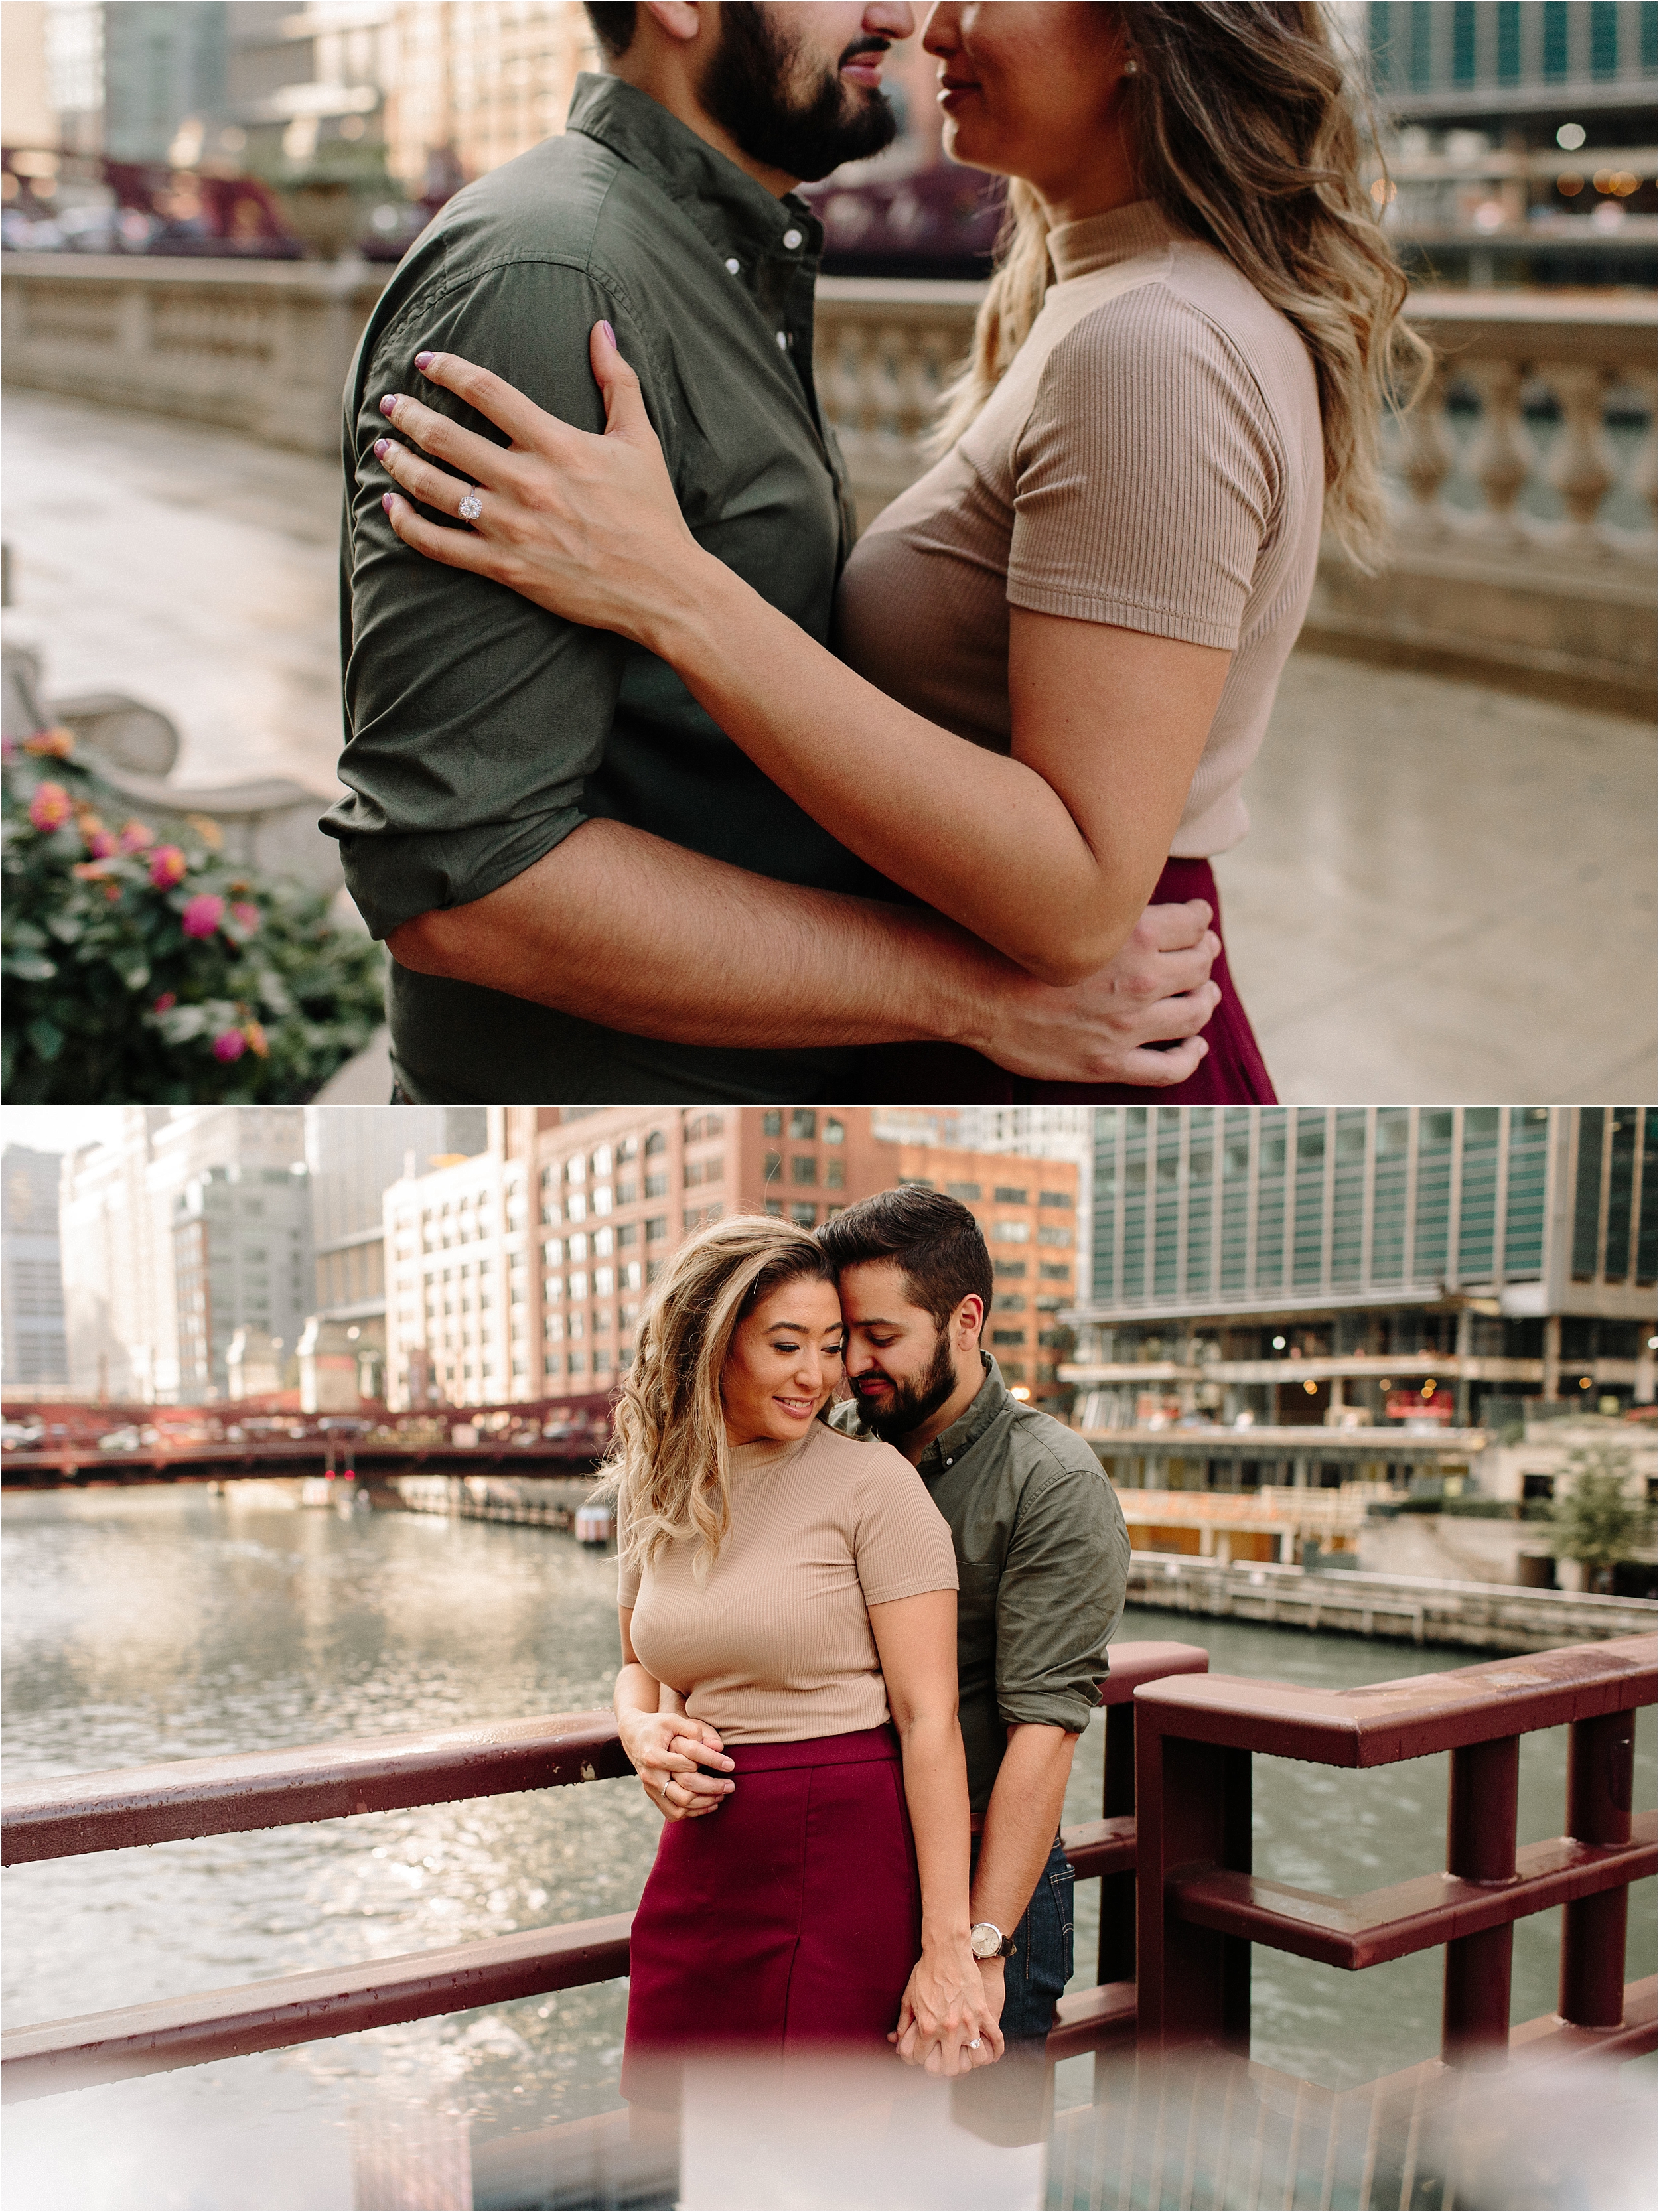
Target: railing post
{"x":1601,"y":1762}
{"x":1117,"y":1891}
{"x":1192,"y":1808}
{"x":1481,"y":1847}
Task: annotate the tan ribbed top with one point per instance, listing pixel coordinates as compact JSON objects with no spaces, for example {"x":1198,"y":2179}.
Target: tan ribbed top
{"x":775,"y":1644}
{"x":1151,"y":458}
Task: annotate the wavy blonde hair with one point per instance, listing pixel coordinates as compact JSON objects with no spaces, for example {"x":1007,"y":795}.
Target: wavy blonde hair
{"x":1242,"y":117}
{"x":668,"y":1465}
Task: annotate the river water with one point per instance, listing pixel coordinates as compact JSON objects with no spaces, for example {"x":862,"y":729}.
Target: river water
{"x":160,"y":1623}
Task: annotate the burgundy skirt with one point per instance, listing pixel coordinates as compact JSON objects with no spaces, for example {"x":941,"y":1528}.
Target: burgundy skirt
{"x":1231,"y":1073}
{"x":792,"y":1917}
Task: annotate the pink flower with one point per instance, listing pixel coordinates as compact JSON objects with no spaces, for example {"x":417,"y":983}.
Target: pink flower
{"x":137,"y":836}
{"x":50,"y":807}
{"x":165,"y":1003}
{"x":167,"y":866}
{"x":229,"y":1045}
{"x":99,"y":843}
{"x":247,"y":914}
{"x":55,"y":744}
{"x":203,"y":914}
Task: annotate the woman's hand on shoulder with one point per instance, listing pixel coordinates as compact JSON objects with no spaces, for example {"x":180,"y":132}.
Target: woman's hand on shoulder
{"x":588,"y":527}
{"x":670,"y":1751}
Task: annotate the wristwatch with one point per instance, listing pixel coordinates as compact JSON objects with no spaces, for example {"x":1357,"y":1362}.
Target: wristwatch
{"x":987,"y":1941}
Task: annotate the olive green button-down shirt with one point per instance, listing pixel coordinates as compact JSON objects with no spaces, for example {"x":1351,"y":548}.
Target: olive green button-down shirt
{"x":1042,"y":1564}
{"x":481,"y":730}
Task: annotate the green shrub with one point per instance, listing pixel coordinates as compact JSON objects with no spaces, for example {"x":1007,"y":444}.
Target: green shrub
{"x":142,"y":967}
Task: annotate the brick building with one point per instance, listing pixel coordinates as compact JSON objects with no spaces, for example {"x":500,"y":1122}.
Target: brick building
{"x":520,"y":1275}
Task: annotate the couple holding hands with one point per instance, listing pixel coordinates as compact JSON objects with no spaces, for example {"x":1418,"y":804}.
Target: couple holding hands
{"x":861,"y":1636}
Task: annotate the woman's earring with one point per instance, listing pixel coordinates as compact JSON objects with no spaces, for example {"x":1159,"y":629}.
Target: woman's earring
{"x":1132,"y":67}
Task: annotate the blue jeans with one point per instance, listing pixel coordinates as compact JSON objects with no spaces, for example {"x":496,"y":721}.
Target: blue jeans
{"x":1006,"y":2103}
{"x":1037,"y":1974}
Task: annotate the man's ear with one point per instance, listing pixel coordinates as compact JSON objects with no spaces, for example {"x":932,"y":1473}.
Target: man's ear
{"x":970,"y":1318}
{"x":681,"y":19}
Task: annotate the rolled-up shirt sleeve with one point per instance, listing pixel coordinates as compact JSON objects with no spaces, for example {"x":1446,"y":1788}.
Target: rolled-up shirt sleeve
{"x":473,"y":717}
{"x":1060,"y":1598}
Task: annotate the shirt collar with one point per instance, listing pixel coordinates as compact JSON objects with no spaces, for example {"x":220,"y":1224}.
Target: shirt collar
{"x":966,"y":1430}
{"x":726,"y":202}
{"x":1099,"y":241}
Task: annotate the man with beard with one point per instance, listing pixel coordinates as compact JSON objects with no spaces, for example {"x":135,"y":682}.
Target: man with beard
{"x":1042,"y":1560}
{"x":590,"y":893}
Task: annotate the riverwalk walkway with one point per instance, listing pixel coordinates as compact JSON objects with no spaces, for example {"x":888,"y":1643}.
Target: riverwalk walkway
{"x":1447,"y":894}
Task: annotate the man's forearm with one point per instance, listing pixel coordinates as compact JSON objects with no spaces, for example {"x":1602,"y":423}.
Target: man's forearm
{"x":623,"y":928}
{"x":1021,"y":1822}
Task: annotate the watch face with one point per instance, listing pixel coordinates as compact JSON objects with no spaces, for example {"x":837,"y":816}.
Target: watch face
{"x":985,"y":1940}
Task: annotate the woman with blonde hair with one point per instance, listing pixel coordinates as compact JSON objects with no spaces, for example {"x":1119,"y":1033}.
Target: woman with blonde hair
{"x":1059,"y":649}
{"x":789,"y":1687}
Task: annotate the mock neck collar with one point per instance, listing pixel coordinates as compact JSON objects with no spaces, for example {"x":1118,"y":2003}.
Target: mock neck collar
{"x":1099,"y":241}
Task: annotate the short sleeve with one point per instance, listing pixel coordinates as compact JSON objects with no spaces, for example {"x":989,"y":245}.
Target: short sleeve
{"x":1147,"y":477}
{"x":1060,"y":1597}
{"x":473,"y":717}
{"x":902,"y":1542}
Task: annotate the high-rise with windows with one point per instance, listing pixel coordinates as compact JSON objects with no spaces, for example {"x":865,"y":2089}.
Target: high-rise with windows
{"x":31,"y":1268}
{"x":241,"y":1259}
{"x":1365,"y":1268}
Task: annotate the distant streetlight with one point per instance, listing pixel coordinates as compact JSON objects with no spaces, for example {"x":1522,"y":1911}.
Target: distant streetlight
{"x":1571,"y":137}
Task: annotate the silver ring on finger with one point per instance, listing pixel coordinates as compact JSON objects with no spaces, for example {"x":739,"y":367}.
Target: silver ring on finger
{"x":471,"y":505}
{"x":974,"y":2045}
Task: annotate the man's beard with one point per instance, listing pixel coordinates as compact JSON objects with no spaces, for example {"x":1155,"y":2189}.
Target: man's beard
{"x":912,"y":1403}
{"x":746,"y":89}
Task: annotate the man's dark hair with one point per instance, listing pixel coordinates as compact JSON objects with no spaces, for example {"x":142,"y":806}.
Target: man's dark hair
{"x":613,"y":25}
{"x":934,"y":1239}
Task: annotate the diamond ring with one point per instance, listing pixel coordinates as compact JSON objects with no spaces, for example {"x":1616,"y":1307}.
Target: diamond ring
{"x":974,"y":2045}
{"x":471,"y":508}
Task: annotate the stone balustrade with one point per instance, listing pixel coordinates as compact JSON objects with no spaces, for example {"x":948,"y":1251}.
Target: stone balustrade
{"x":1526,"y":474}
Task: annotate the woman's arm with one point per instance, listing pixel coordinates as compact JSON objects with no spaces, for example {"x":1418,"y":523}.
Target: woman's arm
{"x":945,"y":2006}
{"x":668,"y":1750}
{"x":1050,"y":854}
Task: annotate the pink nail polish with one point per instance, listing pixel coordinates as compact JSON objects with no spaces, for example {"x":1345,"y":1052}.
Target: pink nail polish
{"x":422,"y":359}
{"x":389,"y":404}
{"x":382,"y":445}
{"x":610,"y":333}
{"x":385,"y":501}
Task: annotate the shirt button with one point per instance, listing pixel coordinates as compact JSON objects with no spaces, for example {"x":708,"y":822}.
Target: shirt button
{"x":783,"y":341}
{"x":732,"y":264}
{"x":792,"y":239}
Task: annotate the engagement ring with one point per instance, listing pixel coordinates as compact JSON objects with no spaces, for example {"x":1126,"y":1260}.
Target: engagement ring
{"x":974,"y":2045}
{"x":471,"y":508}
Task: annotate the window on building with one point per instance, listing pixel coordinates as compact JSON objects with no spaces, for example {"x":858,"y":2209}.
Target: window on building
{"x":803,"y":1168}
{"x":1007,"y":1194}
{"x":656,"y":1185}
{"x":1054,"y":1271}
{"x":601,"y":1361}
{"x":834,"y":1131}
{"x":656,"y":1229}
{"x":1007,"y":1336}
{"x":1050,"y":1232}
{"x":576,"y":1363}
{"x":1001,"y":1267}
{"x":916,"y":1182}
{"x":803,"y":1216}
{"x":627,"y":1193}
{"x":803,"y":1123}
{"x":1064,"y":1198}
{"x":1008,"y":1301}
{"x":601,"y":1198}
{"x":655,"y":1143}
{"x":629,"y":1275}
{"x":771,"y":1167}
{"x":835,"y":1175}
{"x":966,"y":1191}
{"x":626,"y":1148}
{"x":576,"y":1168}
{"x":628,"y":1232}
{"x":775,"y":1207}
{"x":1011,"y":1232}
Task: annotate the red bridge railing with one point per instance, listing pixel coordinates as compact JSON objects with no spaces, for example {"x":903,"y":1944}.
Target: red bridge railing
{"x":1180,"y":1907}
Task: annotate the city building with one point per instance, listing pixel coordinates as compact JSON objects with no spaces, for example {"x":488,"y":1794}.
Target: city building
{"x":243,"y":1266}
{"x":1522,"y":137}
{"x":353,"y":1154}
{"x":1316,"y":1294}
{"x":520,"y":1275}
{"x":31,"y":1272}
{"x":163,"y":64}
{"x":117,"y":1222}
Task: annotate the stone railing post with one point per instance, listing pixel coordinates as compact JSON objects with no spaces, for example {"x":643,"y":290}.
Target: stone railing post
{"x":1582,"y":468}
{"x":1502,"y":458}
{"x":1427,"y":455}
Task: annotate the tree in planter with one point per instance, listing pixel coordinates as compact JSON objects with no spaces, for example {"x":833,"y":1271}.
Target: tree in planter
{"x":142,"y":966}
{"x":1595,"y":1520}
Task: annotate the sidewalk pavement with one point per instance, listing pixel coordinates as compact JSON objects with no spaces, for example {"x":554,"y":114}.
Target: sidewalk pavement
{"x":1447,"y":894}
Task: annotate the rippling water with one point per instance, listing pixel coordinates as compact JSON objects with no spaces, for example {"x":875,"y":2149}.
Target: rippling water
{"x":153,"y":1625}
